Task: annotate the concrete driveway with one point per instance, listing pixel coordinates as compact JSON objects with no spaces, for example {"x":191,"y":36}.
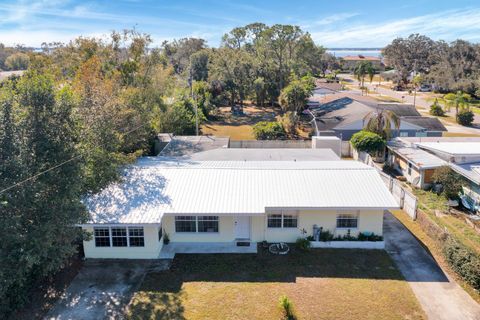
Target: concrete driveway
{"x":102,"y":289}
{"x":440,"y":296}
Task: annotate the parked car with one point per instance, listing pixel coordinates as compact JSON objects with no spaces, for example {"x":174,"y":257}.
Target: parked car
{"x":425,"y":88}
{"x":398,"y":88}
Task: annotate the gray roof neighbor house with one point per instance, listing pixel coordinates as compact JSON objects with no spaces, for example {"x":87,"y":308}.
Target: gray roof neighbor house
{"x":343,"y":116}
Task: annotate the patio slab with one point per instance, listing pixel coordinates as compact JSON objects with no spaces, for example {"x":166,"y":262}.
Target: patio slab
{"x":169,"y":251}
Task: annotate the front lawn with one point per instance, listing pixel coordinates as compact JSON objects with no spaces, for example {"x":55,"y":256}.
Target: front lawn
{"x":321,"y":283}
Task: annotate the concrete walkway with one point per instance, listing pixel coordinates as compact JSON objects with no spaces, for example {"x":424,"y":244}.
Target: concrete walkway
{"x":169,"y":251}
{"x":440,"y":296}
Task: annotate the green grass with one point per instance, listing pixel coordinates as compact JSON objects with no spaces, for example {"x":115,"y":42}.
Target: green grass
{"x":429,"y":202}
{"x":321,"y":284}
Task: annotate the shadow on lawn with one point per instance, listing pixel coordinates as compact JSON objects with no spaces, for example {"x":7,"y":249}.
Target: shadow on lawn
{"x":264,"y":267}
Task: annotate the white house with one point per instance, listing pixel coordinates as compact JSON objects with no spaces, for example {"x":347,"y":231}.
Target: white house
{"x":417,"y":159}
{"x":231,"y":204}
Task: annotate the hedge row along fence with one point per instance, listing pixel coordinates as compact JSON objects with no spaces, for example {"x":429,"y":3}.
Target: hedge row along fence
{"x":463,"y":260}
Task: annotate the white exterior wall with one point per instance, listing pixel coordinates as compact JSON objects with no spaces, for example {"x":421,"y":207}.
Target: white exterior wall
{"x":225,"y":231}
{"x":334,"y":143}
{"x":151,"y":250}
{"x":368,"y":221}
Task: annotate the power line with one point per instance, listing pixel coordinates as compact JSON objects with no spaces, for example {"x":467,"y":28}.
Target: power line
{"x":56,"y":166}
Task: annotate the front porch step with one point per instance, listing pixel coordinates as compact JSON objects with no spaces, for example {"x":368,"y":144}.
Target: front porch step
{"x":243,"y":243}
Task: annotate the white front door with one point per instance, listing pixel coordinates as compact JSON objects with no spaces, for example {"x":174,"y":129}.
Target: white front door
{"x":242,"y":227}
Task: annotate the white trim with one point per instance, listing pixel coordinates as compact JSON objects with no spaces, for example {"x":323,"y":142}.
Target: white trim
{"x":127,"y":235}
{"x":349,"y":244}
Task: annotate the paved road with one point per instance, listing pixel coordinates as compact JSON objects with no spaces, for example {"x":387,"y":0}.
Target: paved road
{"x":441,"y":298}
{"x":101,"y":290}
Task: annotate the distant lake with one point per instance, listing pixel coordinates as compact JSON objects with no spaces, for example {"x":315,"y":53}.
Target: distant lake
{"x":355,"y":52}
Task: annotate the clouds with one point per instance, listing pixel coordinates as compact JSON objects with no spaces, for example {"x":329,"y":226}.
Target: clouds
{"x":447,"y":25}
{"x":339,"y":24}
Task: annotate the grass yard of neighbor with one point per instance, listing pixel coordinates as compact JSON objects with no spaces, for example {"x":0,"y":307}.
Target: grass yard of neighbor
{"x":321,"y":283}
{"x":240,"y":127}
{"x":429,"y":202}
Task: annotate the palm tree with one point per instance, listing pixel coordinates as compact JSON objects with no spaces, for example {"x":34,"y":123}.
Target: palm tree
{"x":457,"y":100}
{"x":381,"y":122}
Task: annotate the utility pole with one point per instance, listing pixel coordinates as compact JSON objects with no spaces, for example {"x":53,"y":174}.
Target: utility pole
{"x":414,"y":82}
{"x":190,"y":80}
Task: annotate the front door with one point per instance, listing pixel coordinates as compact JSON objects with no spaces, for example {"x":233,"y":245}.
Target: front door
{"x":242,"y":227}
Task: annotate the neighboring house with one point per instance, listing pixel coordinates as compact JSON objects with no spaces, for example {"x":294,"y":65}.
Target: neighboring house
{"x":343,"y":116}
{"x":415,"y":164}
{"x":229,"y":206}
{"x":322,"y":90}
{"x":417,"y":158}
{"x":349,"y":62}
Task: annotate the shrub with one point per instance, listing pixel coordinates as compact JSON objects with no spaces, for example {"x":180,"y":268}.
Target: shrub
{"x":368,"y":142}
{"x":465,"y":117}
{"x":166,"y":238}
{"x":287,"y":307}
{"x":464,"y":261}
{"x":265,"y":130}
{"x":436,"y":109}
{"x":369,"y":237}
{"x":450,"y":180}
{"x":326,"y":235}
{"x":303,"y":244}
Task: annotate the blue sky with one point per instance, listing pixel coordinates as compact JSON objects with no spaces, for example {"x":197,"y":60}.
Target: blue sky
{"x":339,"y":23}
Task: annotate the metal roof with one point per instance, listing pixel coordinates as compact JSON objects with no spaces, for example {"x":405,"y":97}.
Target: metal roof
{"x":471,"y":171}
{"x":186,"y":145}
{"x":244,"y":154}
{"x":453,"y":148}
{"x":419,"y":158}
{"x":152,"y":188}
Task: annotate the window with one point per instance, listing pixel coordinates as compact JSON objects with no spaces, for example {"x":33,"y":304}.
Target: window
{"x":196,"y":224}
{"x":102,"y":237}
{"x":119,"y":237}
{"x":289,"y":221}
{"x":185,"y":224}
{"x":347,"y":220}
{"x":274,"y":220}
{"x":403,"y":133}
{"x":409,"y":169}
{"x":282,"y":220}
{"x":135,"y":237}
{"x":207,"y":223}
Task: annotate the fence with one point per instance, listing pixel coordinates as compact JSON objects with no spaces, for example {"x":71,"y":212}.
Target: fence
{"x":405,"y":199}
{"x":271,"y":144}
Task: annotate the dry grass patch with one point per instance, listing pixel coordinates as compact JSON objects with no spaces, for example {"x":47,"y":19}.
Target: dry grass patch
{"x":322,"y":284}
{"x":241,"y":132}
